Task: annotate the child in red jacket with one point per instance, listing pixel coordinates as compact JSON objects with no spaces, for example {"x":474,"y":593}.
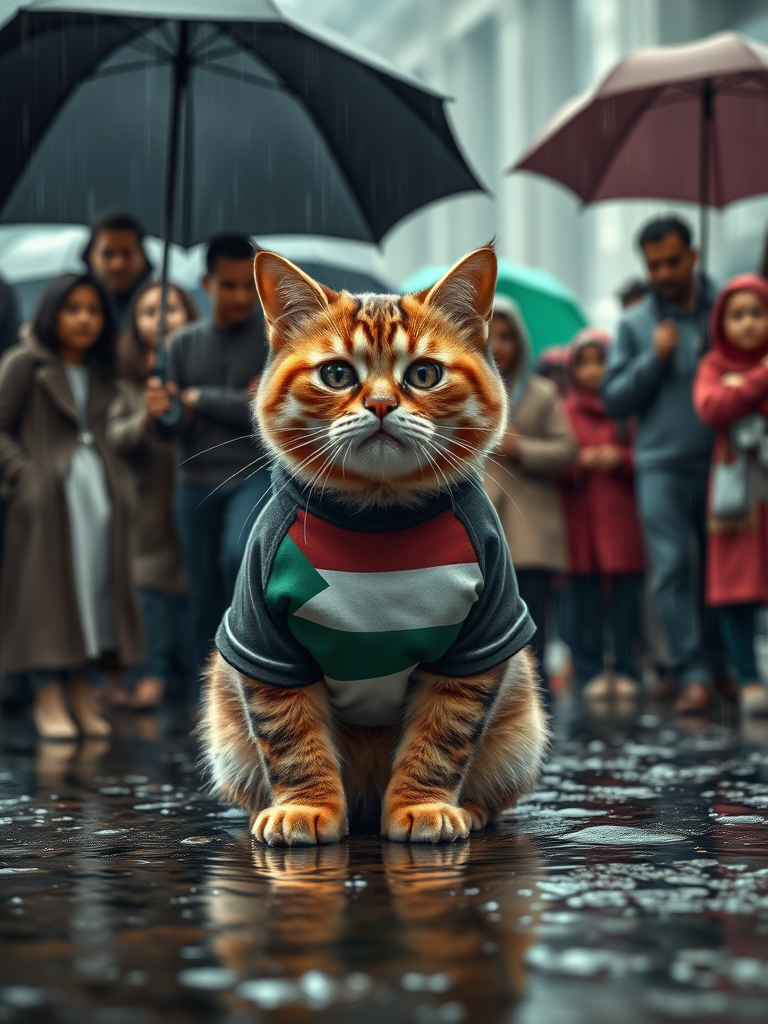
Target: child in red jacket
{"x":731,"y":394}
{"x":601,"y":603}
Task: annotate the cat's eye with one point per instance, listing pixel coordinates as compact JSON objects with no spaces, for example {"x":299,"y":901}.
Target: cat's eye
{"x":424,"y":374}
{"x":338,"y":375}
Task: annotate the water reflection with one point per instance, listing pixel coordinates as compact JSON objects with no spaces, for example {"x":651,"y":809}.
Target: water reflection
{"x":632,"y":886}
{"x":371,"y":922}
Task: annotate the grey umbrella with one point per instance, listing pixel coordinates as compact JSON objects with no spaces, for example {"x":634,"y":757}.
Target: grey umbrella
{"x":205,"y":116}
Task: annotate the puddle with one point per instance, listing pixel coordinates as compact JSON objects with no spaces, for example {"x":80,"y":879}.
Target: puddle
{"x":632,"y":886}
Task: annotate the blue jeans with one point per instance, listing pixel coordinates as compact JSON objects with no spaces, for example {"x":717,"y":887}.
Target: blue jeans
{"x":673,"y":508}
{"x":165,"y":618}
{"x":214,"y":526}
{"x":601,"y":614}
{"x":738,"y":624}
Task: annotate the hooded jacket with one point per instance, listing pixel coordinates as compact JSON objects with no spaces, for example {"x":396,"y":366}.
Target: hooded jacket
{"x":524,"y":490}
{"x":601,"y":517}
{"x":737,"y":563}
{"x":670,"y":436}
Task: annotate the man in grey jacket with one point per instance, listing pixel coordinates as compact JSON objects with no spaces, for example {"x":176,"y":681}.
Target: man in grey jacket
{"x":650,"y":376}
{"x":213,"y":367}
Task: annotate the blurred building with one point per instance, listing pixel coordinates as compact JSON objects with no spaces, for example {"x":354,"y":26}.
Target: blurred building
{"x":509,"y":64}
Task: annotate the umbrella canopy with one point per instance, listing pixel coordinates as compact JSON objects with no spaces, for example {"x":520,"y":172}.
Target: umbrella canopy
{"x":683,"y":123}
{"x":224,"y":112}
{"x":551,"y":313}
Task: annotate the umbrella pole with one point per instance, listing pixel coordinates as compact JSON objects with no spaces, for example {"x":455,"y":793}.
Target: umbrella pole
{"x":180,"y":80}
{"x":704,"y":166}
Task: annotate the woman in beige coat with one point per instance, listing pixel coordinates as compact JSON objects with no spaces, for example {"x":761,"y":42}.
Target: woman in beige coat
{"x":520,"y":478}
{"x":66,"y":594}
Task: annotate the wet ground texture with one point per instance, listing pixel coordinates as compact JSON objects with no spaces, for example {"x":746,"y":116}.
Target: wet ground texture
{"x":632,"y":887}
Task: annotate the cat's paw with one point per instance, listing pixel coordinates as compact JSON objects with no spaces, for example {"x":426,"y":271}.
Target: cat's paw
{"x":298,"y":825}
{"x":426,"y":823}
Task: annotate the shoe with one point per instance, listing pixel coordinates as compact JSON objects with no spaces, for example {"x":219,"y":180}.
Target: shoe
{"x":625,"y":687}
{"x":598,"y":688}
{"x":663,"y":686}
{"x":727,"y":687}
{"x":148,"y":695}
{"x":696,"y":699}
{"x":753,"y":701}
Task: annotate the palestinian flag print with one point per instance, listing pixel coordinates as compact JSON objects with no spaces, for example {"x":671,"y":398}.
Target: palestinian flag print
{"x":370,"y":607}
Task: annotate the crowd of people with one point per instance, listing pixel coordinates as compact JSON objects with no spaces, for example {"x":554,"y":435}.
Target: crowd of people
{"x":127,"y":501}
{"x":631,"y":483}
{"x":644,"y":459}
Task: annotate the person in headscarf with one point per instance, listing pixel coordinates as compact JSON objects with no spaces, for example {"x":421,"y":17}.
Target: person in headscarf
{"x":602,"y":600}
{"x":520,"y":478}
{"x":731,"y":395}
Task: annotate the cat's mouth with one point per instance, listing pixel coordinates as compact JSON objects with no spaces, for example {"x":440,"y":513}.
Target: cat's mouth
{"x":381,"y":437}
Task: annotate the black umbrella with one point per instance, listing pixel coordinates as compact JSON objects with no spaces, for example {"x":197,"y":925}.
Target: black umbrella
{"x":204,"y":116}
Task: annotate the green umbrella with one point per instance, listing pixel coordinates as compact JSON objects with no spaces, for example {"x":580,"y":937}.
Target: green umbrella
{"x":552,"y":315}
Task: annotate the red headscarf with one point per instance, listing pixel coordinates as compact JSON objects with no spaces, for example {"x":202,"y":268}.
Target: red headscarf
{"x":725,"y":356}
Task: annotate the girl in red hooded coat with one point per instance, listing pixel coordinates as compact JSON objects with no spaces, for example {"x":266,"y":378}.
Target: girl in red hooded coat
{"x":601,"y":601}
{"x":731,"y":394}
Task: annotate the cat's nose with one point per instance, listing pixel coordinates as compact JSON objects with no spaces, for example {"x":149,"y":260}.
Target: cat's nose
{"x":380,"y":407}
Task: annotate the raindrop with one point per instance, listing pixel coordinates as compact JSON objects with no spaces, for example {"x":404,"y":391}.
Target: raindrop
{"x":213,"y":978}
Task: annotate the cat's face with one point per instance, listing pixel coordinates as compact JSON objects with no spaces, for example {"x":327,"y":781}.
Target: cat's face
{"x":379,"y":398}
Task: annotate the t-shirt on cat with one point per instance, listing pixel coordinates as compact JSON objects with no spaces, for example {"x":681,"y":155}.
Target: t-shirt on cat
{"x":362,"y":598}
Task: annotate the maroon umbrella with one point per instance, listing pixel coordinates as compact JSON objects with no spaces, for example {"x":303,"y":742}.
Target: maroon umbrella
{"x":669,"y":122}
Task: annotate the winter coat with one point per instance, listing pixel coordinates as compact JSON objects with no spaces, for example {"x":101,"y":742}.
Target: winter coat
{"x":523,"y":490}
{"x":601,"y":518}
{"x":158,"y":559}
{"x":39,"y":428}
{"x":737,"y":550}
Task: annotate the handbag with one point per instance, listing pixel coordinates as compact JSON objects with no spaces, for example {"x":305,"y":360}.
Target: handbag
{"x":730,"y":495}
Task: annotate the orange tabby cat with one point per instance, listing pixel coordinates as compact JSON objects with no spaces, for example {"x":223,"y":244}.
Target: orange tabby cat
{"x":374,"y":656}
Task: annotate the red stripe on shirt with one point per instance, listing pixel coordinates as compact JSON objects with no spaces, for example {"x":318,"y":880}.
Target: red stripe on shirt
{"x":441,"y":540}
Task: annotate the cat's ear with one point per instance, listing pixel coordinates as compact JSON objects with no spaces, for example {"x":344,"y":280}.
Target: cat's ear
{"x":467,"y":290}
{"x":289,"y":297}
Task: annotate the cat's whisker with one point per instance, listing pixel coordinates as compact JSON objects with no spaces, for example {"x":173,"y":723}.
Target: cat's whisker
{"x":488,"y":455}
{"x":498,"y":484}
{"x":214,"y":446}
{"x":230,"y":477}
{"x":269,"y":494}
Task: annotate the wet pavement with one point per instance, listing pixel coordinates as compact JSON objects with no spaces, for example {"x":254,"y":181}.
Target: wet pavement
{"x":632,"y":887}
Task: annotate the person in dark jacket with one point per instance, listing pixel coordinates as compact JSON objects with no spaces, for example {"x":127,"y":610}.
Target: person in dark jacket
{"x":116,"y":257}
{"x":650,"y":376}
{"x":214,"y":366}
{"x":605,"y":544}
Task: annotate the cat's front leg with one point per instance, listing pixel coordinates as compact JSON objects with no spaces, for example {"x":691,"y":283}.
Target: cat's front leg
{"x":293,"y":729}
{"x":444,"y":724}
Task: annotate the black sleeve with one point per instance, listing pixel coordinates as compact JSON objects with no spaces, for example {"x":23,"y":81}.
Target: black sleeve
{"x":499,"y":624}
{"x":252,"y":637}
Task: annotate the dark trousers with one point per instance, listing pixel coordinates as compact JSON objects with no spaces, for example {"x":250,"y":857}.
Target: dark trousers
{"x":673,"y":514}
{"x":535,"y":587}
{"x":214,"y":526}
{"x":601,"y":615}
{"x":738,"y":627}
{"x":167,"y":636}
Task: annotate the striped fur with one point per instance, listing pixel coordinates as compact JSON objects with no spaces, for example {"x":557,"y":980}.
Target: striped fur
{"x":467,"y":748}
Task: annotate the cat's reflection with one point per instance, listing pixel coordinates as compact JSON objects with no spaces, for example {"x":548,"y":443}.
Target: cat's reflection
{"x":401,"y":914}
